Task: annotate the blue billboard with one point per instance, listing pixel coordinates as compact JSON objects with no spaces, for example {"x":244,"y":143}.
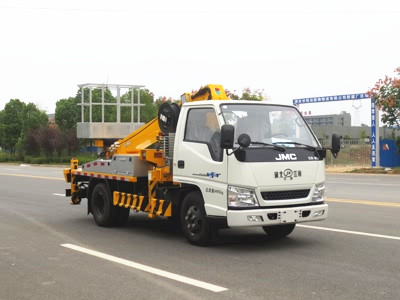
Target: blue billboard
{"x":330,"y":98}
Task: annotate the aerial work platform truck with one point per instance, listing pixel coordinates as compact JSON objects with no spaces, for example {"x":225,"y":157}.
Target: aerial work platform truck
{"x":210,"y":163}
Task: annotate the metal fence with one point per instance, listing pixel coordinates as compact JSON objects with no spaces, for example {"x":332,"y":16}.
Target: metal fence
{"x":352,"y":152}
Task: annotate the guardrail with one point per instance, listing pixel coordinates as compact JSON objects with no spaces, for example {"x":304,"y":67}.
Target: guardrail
{"x":352,"y":152}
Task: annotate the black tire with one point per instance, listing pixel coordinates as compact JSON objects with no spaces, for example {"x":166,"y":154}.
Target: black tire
{"x":102,"y":209}
{"x":279,"y":231}
{"x":195,"y":225}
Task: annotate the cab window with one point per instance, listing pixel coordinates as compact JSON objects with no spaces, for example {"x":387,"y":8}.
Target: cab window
{"x":202,"y":127}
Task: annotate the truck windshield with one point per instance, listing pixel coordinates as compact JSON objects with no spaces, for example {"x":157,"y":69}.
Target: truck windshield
{"x":271,"y":124}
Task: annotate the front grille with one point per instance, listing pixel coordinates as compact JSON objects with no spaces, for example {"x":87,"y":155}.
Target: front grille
{"x":283,"y":195}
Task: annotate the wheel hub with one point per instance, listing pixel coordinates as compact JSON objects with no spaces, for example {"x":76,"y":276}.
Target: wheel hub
{"x":193,"y":220}
{"x":100,"y":204}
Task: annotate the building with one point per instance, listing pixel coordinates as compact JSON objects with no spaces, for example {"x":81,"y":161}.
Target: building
{"x":343,"y":119}
{"x":325,"y":126}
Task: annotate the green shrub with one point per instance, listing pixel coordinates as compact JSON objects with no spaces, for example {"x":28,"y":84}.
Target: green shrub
{"x":38,"y":160}
{"x":6,"y":157}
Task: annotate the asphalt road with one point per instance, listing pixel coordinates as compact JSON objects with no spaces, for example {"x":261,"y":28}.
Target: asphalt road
{"x":52,"y":250}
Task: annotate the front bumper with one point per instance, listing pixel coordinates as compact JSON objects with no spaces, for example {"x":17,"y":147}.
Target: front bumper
{"x":275,"y":216}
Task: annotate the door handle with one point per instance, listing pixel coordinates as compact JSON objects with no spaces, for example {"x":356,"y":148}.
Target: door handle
{"x":181,"y":164}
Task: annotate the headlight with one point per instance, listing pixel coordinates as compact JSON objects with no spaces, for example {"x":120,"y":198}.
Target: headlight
{"x":241,"y":197}
{"x":319,"y":192}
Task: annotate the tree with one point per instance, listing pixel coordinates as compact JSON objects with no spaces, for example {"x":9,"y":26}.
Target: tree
{"x":232,"y":95}
{"x":160,"y":100}
{"x":363,"y":134}
{"x":67,"y":114}
{"x":32,"y":119}
{"x":386,"y":94}
{"x":11,"y":124}
{"x":16,"y":120}
{"x":32,"y":143}
{"x":48,"y":137}
{"x":147,"y":112}
{"x":247,"y":94}
{"x":258,"y":95}
{"x":71,"y":142}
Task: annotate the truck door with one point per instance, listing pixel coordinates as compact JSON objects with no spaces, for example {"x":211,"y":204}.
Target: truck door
{"x":198,"y":158}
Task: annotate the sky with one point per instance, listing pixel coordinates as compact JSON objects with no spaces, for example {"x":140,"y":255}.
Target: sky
{"x":290,"y":49}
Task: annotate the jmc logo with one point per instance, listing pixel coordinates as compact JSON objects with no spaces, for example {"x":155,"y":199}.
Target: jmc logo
{"x":289,"y":156}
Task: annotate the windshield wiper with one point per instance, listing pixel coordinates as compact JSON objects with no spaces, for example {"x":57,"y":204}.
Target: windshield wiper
{"x":280,"y":148}
{"x":298,"y":144}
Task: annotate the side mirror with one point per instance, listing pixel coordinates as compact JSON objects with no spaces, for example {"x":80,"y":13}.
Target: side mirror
{"x":244,"y":140}
{"x":227,"y":136}
{"x":335,"y":145}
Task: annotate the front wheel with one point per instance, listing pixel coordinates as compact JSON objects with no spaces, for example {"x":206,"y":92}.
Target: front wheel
{"x":279,"y":231}
{"x":195,"y":225}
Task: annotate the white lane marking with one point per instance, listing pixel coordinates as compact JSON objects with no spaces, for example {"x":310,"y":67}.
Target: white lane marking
{"x":31,"y":176}
{"x":187,"y":280}
{"x":365,"y":202}
{"x":55,"y":194}
{"x":361,"y":183}
{"x":352,"y":232}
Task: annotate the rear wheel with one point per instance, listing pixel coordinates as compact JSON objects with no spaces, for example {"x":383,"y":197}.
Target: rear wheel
{"x":195,"y":225}
{"x":279,"y":231}
{"x":102,"y":209}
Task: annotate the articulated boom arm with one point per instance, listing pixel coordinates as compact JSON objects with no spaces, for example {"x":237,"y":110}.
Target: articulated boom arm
{"x":140,"y":139}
